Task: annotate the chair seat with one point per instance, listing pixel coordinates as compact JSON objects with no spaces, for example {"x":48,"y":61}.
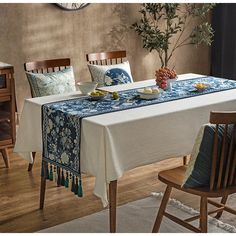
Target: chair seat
{"x":174,"y":178}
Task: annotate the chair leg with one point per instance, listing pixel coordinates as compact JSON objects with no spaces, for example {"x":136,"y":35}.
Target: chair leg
{"x":5,"y":157}
{"x":203,"y":215}
{"x":42,"y":188}
{"x":223,"y":201}
{"x":30,"y":166}
{"x":162,"y":209}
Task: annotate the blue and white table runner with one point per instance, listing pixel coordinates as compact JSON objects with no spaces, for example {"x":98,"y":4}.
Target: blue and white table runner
{"x":61,"y":124}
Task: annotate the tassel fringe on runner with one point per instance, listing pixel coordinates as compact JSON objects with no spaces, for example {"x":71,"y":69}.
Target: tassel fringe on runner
{"x":62,"y":178}
{"x":192,"y":211}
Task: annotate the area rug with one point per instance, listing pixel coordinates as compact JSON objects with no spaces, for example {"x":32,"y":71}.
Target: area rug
{"x":138,"y":217}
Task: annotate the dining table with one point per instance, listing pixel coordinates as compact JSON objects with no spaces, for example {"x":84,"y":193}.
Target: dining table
{"x":115,"y":142}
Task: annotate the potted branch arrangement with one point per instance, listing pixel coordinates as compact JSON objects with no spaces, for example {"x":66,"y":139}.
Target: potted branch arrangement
{"x":163,"y":28}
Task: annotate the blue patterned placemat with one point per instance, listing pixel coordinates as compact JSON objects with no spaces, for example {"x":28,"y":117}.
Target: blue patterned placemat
{"x":61,"y":124}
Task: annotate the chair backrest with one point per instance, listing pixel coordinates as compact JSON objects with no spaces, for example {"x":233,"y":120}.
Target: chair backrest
{"x":224,"y":175}
{"x":106,"y":58}
{"x":47,"y":65}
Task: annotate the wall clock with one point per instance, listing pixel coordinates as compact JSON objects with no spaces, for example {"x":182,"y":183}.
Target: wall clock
{"x":72,"y":6}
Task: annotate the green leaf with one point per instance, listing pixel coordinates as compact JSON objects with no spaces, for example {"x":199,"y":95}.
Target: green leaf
{"x":160,"y":22}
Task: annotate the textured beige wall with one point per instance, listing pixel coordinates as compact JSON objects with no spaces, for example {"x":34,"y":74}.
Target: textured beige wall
{"x":43,"y":31}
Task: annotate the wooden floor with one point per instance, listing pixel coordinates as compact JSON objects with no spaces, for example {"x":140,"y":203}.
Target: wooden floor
{"x":19,"y":195}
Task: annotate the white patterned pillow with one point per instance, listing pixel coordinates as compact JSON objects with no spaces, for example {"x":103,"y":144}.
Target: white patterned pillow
{"x":58,"y":82}
{"x":107,"y":75}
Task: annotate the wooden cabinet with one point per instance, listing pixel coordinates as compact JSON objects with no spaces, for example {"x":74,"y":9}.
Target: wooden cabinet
{"x":7,"y":110}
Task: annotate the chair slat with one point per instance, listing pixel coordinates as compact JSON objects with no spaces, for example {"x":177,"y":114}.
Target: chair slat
{"x":227,"y":169}
{"x":214,"y":157}
{"x":222,"y":157}
{"x":233,"y":170}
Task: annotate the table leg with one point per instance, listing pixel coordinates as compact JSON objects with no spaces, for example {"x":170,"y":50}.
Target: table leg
{"x":30,"y":166}
{"x":112,"y":205}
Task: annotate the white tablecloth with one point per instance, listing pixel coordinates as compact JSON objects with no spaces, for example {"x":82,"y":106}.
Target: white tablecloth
{"x":115,"y":142}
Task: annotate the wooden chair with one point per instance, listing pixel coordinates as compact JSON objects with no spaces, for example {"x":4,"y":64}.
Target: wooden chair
{"x":222,"y":182}
{"x":7,"y":111}
{"x":45,"y":67}
{"x":106,"y":58}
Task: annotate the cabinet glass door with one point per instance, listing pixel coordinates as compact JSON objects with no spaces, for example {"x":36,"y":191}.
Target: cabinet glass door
{"x":3,"y":83}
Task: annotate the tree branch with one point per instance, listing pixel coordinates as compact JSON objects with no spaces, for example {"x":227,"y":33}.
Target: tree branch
{"x":160,"y":56}
{"x":185,"y":26}
{"x":185,"y":44}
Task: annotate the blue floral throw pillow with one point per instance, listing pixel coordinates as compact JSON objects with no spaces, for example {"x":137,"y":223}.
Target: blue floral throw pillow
{"x":198,"y":172}
{"x":58,"y":82}
{"x":108,"y":75}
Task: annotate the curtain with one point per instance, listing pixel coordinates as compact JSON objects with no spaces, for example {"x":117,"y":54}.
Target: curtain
{"x":223,"y":54}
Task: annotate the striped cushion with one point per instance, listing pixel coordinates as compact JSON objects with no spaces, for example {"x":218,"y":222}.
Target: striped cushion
{"x":199,"y":169}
